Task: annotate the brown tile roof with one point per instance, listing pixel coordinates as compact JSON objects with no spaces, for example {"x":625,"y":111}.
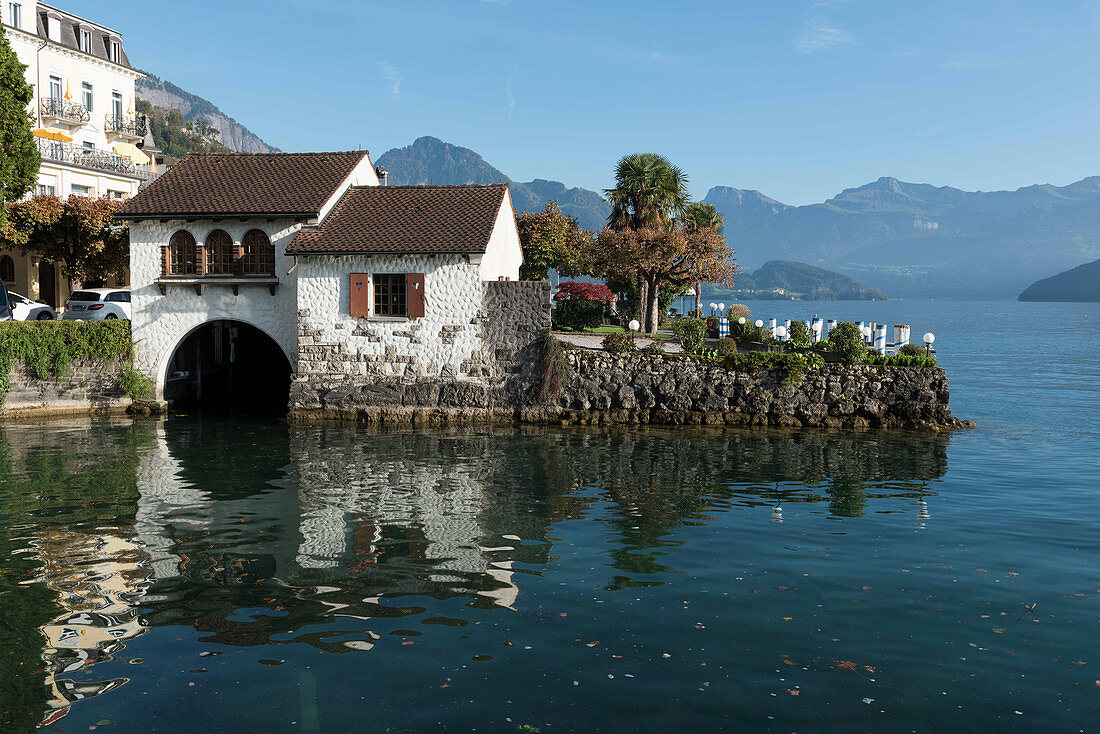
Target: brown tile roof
{"x":243,"y":184}
{"x":406,"y":220}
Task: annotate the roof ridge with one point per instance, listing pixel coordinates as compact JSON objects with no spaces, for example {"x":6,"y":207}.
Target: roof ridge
{"x":433,"y":186}
{"x":234,"y":153}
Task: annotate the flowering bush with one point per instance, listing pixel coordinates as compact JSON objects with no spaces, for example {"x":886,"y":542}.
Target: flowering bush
{"x":579,"y":291}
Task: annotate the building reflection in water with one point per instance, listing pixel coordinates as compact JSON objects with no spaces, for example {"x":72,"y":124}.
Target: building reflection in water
{"x":329,"y":528}
{"x":99,"y":580}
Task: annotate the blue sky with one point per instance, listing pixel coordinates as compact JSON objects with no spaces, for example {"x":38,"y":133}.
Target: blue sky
{"x":796,"y":99}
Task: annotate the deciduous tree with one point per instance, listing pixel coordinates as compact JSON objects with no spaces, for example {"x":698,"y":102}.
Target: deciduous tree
{"x":79,"y":234}
{"x":662,"y":257}
{"x":19,"y":158}
{"x":552,"y":240}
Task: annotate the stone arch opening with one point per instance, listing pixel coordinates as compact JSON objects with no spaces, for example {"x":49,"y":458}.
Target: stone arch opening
{"x":231,"y":366}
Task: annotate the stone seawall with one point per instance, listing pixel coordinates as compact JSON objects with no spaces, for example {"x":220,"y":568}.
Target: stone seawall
{"x":494,"y":379}
{"x":87,"y":387}
{"x":644,"y":389}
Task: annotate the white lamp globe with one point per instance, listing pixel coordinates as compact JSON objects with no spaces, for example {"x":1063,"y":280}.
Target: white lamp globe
{"x":741,"y":320}
{"x":816,"y":326}
{"x":634,"y":325}
{"x":929,"y":338}
{"x":721,"y":307}
{"x":759,"y":324}
{"x":713,"y":306}
{"x":781,"y":331}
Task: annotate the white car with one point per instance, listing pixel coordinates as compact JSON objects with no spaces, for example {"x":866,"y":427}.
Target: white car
{"x":93,"y":304}
{"x":24,"y":309}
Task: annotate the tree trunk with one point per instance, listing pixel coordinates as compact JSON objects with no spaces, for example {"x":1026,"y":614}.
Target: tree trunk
{"x":653,"y":308}
{"x":698,"y":298}
{"x":643,"y":302}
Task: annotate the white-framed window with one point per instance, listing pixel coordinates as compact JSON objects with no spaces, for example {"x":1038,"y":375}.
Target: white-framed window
{"x":79,"y":190}
{"x":86,"y":95}
{"x":116,"y":104}
{"x":53,"y":26}
{"x":15,"y":15}
{"x":46,"y":190}
{"x":55,"y":86}
{"x":85,"y":40}
{"x":88,"y":145}
{"x":116,"y":195}
{"x":114,"y":51}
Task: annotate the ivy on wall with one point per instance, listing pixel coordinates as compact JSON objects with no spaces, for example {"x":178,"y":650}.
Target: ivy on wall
{"x":50,"y":347}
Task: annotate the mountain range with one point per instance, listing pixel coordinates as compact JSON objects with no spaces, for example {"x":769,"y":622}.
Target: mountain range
{"x":1081,"y":284}
{"x":909,"y":239}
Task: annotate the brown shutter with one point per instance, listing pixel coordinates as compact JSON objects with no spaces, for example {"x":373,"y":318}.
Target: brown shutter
{"x":165,"y":260}
{"x":414,"y":294}
{"x":360,"y":295}
{"x":200,"y":260}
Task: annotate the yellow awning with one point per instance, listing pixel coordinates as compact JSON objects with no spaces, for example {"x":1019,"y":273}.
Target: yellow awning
{"x":52,"y":133}
{"x":132,"y":152}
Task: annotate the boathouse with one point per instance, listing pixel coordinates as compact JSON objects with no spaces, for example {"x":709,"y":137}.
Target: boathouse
{"x":252,"y":271}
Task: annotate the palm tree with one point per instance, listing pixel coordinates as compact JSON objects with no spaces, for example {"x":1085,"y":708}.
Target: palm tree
{"x":698,"y":215}
{"x":649,"y":192}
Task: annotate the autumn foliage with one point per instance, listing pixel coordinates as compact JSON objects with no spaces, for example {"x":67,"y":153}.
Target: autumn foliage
{"x":551,"y":240}
{"x":577,"y":290}
{"x":73,"y":233}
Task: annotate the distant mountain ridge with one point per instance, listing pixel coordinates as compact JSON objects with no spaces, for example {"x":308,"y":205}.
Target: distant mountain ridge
{"x":231,"y":133}
{"x":918,"y":239}
{"x":1081,"y":284}
{"x":784,"y":279}
{"x":430,"y":160}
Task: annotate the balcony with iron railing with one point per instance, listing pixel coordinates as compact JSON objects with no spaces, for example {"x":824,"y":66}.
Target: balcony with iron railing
{"x":64,"y":111}
{"x":127,"y":126}
{"x":100,"y":160}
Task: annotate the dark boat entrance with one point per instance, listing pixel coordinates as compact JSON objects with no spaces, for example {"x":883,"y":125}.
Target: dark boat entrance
{"x":229,"y":366}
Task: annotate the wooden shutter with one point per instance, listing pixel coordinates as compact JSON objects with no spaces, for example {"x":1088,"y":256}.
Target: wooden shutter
{"x":165,"y":260}
{"x":414,"y":295}
{"x":360,"y":306}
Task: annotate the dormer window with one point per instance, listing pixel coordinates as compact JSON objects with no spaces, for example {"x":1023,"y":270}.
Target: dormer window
{"x":84,"y":38}
{"x":15,"y":15}
{"x":114,"y":51}
{"x":53,"y":26}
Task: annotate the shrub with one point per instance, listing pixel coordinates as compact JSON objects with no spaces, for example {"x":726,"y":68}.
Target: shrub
{"x":902,"y":360}
{"x":912,"y":350}
{"x":619,"y":342}
{"x":726,"y":347}
{"x":795,"y":364}
{"x":738,"y":310}
{"x":846,"y":341}
{"x":579,"y":314}
{"x":135,"y":383}
{"x":749,"y":332}
{"x":692,"y":334}
{"x":580,"y":291}
{"x":653,"y":348}
{"x":712,"y":327}
{"x":800,"y":334}
{"x":555,"y":369}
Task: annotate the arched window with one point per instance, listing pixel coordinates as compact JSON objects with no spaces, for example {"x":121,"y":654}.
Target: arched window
{"x":181,"y":253}
{"x":7,"y":269}
{"x":219,"y":253}
{"x":257,"y":254}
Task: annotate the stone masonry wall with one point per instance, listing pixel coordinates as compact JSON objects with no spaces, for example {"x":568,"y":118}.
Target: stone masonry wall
{"x":640,"y":389}
{"x":457,"y":363}
{"x":86,"y":386}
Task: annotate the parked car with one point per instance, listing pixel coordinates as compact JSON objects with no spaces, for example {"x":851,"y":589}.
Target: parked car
{"x":93,"y":304}
{"x":24,"y":309}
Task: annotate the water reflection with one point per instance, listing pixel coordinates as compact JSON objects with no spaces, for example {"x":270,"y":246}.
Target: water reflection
{"x":256,"y":533}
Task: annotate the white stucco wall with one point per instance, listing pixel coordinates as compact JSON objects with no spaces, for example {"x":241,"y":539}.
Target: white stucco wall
{"x":362,"y":175}
{"x":452,"y":289}
{"x":503,"y":255}
{"x":160,"y":323}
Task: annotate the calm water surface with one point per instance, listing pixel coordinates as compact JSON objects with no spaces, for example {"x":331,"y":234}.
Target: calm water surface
{"x":228,"y":574}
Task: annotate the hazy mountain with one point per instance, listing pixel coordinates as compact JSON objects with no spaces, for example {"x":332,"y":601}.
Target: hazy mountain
{"x":1079,"y":284}
{"x":430,"y":160}
{"x":917,"y":239}
{"x":783,"y":279}
{"x":231,"y":133}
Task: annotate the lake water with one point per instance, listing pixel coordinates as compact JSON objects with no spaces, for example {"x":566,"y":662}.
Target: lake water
{"x":228,"y":574}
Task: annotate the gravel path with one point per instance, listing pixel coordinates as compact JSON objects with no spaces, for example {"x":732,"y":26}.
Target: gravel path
{"x":595,"y":341}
